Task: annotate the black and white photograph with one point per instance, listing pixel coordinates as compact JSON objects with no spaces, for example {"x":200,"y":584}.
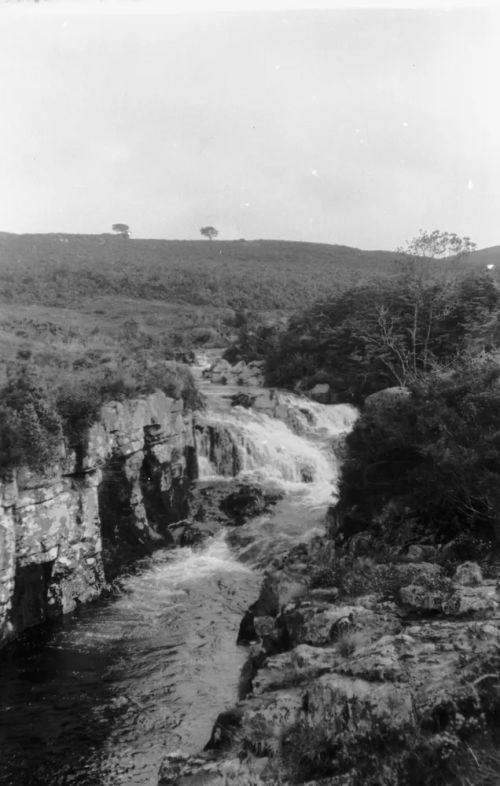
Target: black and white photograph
{"x":249,"y":393}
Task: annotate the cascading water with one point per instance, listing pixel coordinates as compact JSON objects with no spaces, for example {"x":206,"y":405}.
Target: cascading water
{"x":288,"y":441}
{"x":113,"y":688}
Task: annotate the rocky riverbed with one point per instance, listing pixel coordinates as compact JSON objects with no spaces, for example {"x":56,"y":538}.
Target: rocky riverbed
{"x":360,"y":672}
{"x":102,"y":695}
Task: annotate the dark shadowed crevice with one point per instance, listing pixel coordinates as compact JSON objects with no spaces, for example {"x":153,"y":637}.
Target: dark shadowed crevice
{"x":30,"y":599}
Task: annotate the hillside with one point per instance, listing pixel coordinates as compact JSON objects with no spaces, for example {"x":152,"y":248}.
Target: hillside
{"x":486,"y":256}
{"x":63,"y":269}
{"x":73,"y":299}
{"x":83,"y":298}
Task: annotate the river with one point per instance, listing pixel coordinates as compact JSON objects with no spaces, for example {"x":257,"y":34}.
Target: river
{"x":99,"y":698}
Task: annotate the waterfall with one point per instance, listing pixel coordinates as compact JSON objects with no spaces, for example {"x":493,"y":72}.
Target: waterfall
{"x":312,"y":419}
{"x":107,"y":694}
{"x":289,"y":443}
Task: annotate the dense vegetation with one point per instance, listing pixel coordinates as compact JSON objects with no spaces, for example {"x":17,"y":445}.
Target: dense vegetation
{"x":98,"y":316}
{"x":433,"y":456}
{"x":86,"y":299}
{"x":84,"y":319}
{"x":384,"y":333}
{"x":59,"y":270}
{"x":433,"y":329}
{"x":36,"y":410}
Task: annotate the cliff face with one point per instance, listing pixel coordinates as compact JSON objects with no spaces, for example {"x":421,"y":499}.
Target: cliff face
{"x":65,"y":531}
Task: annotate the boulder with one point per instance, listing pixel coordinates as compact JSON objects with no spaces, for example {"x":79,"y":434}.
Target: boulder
{"x":386,"y":398}
{"x":477,"y":601}
{"x":222,"y":372}
{"x":243,"y":400}
{"x":468,"y":574}
{"x":376,"y":662}
{"x":293,"y":668}
{"x":224,"y":729}
{"x":247,"y":502}
{"x":229,"y":501}
{"x":320,"y":393}
{"x":314,"y":623}
{"x":452,"y":600}
{"x":419,"y":598}
{"x":366,"y":704}
{"x":190,"y":533}
{"x":427,"y":573}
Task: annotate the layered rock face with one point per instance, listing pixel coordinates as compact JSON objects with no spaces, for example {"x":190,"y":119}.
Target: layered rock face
{"x":65,"y":531}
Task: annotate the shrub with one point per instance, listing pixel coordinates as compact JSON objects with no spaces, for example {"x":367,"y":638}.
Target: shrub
{"x":349,"y":641}
{"x":79,"y":398}
{"x":433,"y":456}
{"x":11,"y":450}
{"x":34,"y":416}
{"x":30,"y":426}
{"x":384,"y":333}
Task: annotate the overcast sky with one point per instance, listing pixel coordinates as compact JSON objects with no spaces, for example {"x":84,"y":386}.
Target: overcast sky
{"x":355,"y":127}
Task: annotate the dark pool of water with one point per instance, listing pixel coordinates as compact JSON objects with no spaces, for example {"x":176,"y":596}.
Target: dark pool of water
{"x":100,"y":698}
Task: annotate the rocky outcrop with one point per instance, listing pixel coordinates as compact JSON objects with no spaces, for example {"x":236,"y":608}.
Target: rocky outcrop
{"x":385,"y":398}
{"x":65,"y":531}
{"x":224,"y":373}
{"x":357,"y":689}
{"x":321,"y":393}
{"x":216,"y":503}
{"x":216,"y":443}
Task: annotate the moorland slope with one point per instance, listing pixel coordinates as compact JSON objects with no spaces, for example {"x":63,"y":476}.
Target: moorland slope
{"x":82,"y":298}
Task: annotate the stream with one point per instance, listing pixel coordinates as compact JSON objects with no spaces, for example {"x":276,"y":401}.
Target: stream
{"x":99,"y":698}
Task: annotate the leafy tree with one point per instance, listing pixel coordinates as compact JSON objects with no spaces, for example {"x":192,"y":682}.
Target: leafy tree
{"x":438,"y":245}
{"x":122,"y":229}
{"x":209,"y":232}
{"x":384,"y":334}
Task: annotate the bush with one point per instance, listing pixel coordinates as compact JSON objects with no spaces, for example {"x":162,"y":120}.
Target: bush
{"x":34,"y":415}
{"x":79,"y":398}
{"x":30,"y":426}
{"x":383,"y":334}
{"x":433,"y":456}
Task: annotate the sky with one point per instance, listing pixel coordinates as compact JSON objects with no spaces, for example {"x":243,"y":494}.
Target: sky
{"x":356,"y":127}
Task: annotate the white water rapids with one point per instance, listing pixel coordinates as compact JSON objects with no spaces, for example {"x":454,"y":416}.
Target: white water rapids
{"x":104,"y":695}
{"x":297,"y":453}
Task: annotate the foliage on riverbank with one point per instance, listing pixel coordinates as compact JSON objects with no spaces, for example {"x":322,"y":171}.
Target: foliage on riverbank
{"x":36,"y":410}
{"x":433,"y":455}
{"x":384,"y":333}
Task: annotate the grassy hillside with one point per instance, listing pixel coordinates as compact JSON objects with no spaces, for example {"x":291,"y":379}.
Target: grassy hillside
{"x":64,"y":269}
{"x":82,"y":299}
{"x":486,"y":256}
{"x":84,"y":318}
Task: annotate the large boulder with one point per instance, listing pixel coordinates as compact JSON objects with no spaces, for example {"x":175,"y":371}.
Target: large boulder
{"x":468,"y":574}
{"x":230,"y":501}
{"x":386,"y":398}
{"x":247,"y":502}
{"x":320,"y":393}
{"x":219,"y":372}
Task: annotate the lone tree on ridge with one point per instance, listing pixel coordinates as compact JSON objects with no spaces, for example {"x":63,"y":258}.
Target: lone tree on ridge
{"x":438,"y":245}
{"x":122,"y":229}
{"x":209,"y":232}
